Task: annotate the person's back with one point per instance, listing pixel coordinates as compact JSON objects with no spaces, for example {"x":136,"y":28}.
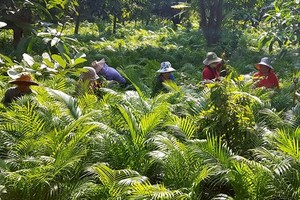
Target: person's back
{"x":109,"y":73}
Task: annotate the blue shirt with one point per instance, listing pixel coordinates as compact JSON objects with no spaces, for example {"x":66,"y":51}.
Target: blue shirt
{"x":112,"y":74}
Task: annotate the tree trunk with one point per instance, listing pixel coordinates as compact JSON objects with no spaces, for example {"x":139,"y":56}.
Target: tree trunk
{"x":211,"y":20}
{"x":114,"y":24}
{"x":77,"y":23}
{"x":17,"y":36}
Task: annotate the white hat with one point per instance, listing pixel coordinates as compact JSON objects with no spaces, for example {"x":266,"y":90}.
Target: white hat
{"x":98,"y":65}
{"x":264,"y":61}
{"x":165,"y":67}
{"x":211,"y":57}
{"x":90,"y":74}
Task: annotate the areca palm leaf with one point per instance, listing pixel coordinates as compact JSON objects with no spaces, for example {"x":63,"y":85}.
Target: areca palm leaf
{"x":293,"y":116}
{"x":186,"y":126}
{"x":68,"y":101}
{"x":134,"y":78}
{"x":88,"y":103}
{"x":197,"y":103}
{"x":214,"y":152}
{"x":26,"y":122}
{"x":130,"y":185}
{"x":250,"y":180}
{"x":131,"y":125}
{"x":274,"y":119}
{"x":51,"y":154}
{"x":126,"y":144}
{"x":175,"y":156}
{"x":288,"y":143}
{"x":155,"y":192}
{"x":116,"y":182}
{"x":283,"y":162}
{"x":273,"y":160}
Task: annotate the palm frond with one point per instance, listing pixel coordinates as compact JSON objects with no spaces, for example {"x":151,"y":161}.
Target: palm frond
{"x":288,"y":143}
{"x":273,"y":119}
{"x":131,"y":123}
{"x":186,"y":125}
{"x":148,"y":191}
{"x":69,"y":102}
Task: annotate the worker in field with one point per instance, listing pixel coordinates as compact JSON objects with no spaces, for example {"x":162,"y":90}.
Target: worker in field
{"x":23,"y":83}
{"x":109,"y":73}
{"x":88,"y":81}
{"x":212,"y":66}
{"x":165,"y":75}
{"x":265,"y":77}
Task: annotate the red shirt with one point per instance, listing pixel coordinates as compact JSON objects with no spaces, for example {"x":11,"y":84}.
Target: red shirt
{"x":268,"y":81}
{"x":209,"y":73}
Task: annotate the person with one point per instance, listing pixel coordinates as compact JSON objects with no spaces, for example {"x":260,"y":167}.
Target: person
{"x":265,"y":77}
{"x":165,"y":74}
{"x":212,"y":66}
{"x":23,"y":83}
{"x":88,"y":80}
{"x":108,"y":72}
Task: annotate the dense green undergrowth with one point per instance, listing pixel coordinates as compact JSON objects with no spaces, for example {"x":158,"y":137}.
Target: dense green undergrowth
{"x":225,"y":140}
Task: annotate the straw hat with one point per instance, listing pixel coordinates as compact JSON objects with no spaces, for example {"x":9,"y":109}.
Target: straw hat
{"x":98,"y":65}
{"x":23,"y":78}
{"x":264,"y":61}
{"x":90,"y":74}
{"x":165,"y":67}
{"x":211,"y":57}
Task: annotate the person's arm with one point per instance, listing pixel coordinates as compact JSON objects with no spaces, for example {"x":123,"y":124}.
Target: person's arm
{"x":172,"y":77}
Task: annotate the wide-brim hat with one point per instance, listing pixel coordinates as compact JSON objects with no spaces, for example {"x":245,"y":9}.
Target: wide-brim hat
{"x":264,"y":61}
{"x":211,"y":57}
{"x":23,"y":78}
{"x":98,"y":65}
{"x":89,"y":74}
{"x":165,"y":67}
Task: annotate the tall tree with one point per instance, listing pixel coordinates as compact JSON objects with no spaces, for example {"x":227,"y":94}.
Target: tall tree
{"x":21,"y":16}
{"x":211,"y":19}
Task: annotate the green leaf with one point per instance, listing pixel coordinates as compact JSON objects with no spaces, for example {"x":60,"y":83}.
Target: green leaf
{"x":78,"y":61}
{"x":59,"y":60}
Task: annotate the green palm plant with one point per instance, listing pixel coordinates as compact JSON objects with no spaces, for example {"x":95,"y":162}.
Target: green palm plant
{"x":129,"y":184}
{"x":131,"y":131}
{"x":43,"y":148}
{"x":281,"y":158}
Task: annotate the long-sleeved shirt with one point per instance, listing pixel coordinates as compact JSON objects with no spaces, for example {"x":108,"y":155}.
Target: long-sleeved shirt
{"x":209,"y":73}
{"x":269,"y":81}
{"x":111,"y":74}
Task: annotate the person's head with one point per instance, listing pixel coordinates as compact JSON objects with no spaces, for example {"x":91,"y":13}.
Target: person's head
{"x":98,"y":65}
{"x":264,"y":65}
{"x":166,"y":69}
{"x":23,"y":81}
{"x":89,"y":74}
{"x":212,"y":59}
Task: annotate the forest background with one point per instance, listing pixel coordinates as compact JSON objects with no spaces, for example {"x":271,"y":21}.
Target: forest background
{"x":225,"y":140}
